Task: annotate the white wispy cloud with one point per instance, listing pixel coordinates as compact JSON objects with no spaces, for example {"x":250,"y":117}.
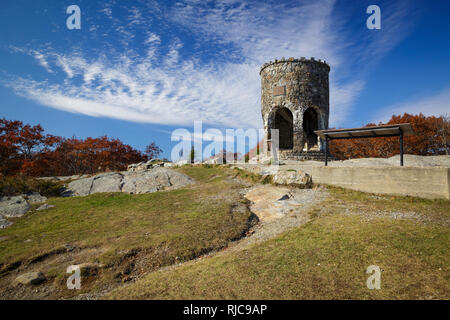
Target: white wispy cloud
{"x":434,"y":105}
{"x":135,"y":16}
{"x":42,"y":60}
{"x":143,"y":93}
{"x":342,"y":97}
{"x":152,"y":38}
{"x":107,"y":11}
{"x":36,"y":54}
{"x":165,"y":86}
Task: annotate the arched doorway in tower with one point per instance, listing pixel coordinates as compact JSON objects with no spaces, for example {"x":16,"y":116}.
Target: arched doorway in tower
{"x":283,"y":121}
{"x":310,"y":124}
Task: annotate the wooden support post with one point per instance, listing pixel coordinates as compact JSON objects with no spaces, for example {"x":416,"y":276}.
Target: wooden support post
{"x":401,"y":147}
{"x":326,"y":150}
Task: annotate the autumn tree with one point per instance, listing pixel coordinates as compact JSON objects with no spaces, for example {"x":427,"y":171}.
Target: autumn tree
{"x":25,"y":149}
{"x":430,"y":138}
{"x":443,"y":130}
{"x":94,"y":155}
{"x":152,"y":151}
{"x":9,"y":159}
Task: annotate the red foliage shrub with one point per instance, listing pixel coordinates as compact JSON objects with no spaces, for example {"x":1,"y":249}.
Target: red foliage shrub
{"x":24,"y":149}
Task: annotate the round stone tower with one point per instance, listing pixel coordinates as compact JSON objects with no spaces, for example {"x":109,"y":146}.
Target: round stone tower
{"x":295,"y":100}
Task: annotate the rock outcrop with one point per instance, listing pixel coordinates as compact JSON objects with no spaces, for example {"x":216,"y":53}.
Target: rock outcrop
{"x":154,"y":178}
{"x":265,"y":202}
{"x":106,"y":182}
{"x":270,"y":202}
{"x":35,"y":197}
{"x":133,"y":182}
{"x":17,"y":206}
{"x":13,"y":207}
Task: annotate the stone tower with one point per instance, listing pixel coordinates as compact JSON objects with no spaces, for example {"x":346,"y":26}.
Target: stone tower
{"x":295,"y":100}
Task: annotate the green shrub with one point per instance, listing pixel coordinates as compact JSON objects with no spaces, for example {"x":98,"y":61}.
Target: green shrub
{"x":15,"y":185}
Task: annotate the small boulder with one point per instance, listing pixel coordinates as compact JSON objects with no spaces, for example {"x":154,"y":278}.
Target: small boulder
{"x":131,"y":167}
{"x":35,"y":197}
{"x":45,"y":206}
{"x":293,"y":178}
{"x":13,"y":206}
{"x":143,"y":166}
{"x":31,"y":278}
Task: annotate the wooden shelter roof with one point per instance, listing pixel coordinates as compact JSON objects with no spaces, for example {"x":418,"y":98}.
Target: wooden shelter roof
{"x":367,"y":132}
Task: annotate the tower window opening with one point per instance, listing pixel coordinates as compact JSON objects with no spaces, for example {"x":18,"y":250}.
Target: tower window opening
{"x":284,"y":123}
{"x":310,"y":124}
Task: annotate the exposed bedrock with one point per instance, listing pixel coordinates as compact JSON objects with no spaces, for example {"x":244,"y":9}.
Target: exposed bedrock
{"x":135,"y":182}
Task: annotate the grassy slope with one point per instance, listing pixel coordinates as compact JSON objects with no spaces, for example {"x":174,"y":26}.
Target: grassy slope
{"x":325,"y":259}
{"x":185,"y":222}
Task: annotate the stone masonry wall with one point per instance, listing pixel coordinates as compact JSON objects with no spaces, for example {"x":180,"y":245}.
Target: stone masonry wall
{"x":295,"y":84}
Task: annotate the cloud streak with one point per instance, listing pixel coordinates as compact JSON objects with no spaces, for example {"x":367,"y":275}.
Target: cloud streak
{"x":438,"y":104}
{"x":159,"y":82}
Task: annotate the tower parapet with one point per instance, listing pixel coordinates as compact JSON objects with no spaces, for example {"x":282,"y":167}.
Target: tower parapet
{"x":291,"y":59}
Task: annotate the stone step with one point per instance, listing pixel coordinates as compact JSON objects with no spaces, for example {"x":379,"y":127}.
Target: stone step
{"x":305,"y":155}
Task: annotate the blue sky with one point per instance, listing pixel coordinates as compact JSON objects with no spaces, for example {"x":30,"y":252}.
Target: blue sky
{"x":139,"y":69}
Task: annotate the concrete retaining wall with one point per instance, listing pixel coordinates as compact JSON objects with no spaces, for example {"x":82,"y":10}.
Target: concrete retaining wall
{"x":419,"y":182}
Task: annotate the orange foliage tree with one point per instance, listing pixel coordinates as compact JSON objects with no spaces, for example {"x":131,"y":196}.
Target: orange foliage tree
{"x":24,"y":149}
{"x":430,"y":138}
{"x":8,"y":146}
